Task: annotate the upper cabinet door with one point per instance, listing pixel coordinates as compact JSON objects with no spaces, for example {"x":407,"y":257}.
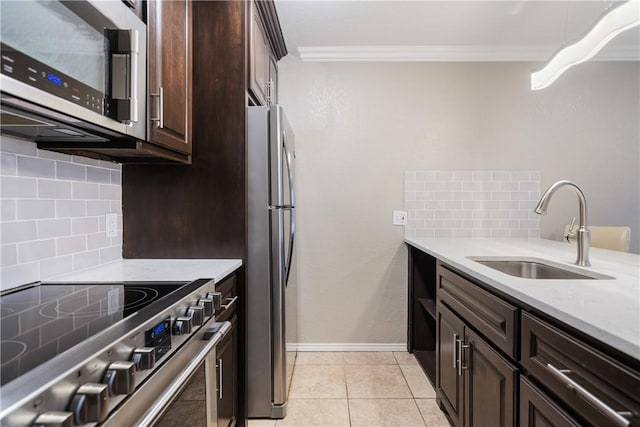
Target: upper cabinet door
{"x":259,"y":58}
{"x":170,"y":74}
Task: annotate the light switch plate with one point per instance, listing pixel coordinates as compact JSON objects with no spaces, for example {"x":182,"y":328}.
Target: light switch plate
{"x":399,"y":217}
{"x":111,"y":229}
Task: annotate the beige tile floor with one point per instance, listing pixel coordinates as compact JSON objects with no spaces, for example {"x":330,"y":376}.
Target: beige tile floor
{"x":372,"y":389}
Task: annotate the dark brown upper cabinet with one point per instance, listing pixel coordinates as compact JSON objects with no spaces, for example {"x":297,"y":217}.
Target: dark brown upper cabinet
{"x":266,"y":48}
{"x":170,"y":74}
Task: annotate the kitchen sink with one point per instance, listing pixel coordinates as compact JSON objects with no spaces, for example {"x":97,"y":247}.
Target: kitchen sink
{"x":537,"y":268}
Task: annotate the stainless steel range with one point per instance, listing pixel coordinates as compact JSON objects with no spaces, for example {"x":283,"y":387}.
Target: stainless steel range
{"x":108,"y":354}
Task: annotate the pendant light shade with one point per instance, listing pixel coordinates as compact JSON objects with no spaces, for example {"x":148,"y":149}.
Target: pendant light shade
{"x":615,"y":21}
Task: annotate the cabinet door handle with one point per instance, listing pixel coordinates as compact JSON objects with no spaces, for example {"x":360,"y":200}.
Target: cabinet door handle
{"x":605,"y":409}
{"x":455,"y":351}
{"x":461,"y":347}
{"x":160,"y":118}
{"x":220,"y":379}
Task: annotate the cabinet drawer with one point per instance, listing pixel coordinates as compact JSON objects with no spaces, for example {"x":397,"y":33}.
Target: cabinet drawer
{"x":589,"y":382}
{"x":496,"y":319}
{"x":537,"y":409}
{"x":229,"y":292}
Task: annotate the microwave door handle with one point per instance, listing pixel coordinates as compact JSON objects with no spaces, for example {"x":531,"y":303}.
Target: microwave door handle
{"x":124,"y":49}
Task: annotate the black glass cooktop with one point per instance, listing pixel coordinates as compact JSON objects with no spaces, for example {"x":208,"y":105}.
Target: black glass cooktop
{"x":44,"y":320}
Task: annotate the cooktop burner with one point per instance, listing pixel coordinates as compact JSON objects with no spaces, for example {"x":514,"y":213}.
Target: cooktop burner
{"x":42,"y":321}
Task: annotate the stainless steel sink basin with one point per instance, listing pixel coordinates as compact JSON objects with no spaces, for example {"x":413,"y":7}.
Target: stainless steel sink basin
{"x":536,"y":268}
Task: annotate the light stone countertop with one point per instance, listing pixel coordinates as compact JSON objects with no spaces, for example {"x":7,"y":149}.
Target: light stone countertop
{"x":154,"y":270}
{"x":608,"y":310}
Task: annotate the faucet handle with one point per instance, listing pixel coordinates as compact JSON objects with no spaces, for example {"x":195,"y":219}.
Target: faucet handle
{"x":571,"y":235}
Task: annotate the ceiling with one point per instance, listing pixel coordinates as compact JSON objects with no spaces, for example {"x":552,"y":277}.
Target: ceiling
{"x":432,"y":30}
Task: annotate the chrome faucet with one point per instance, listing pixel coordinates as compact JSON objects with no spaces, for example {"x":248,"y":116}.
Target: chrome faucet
{"x":583,"y":236}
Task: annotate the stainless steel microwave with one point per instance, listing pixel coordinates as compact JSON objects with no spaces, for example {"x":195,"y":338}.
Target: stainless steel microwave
{"x":73,"y":70}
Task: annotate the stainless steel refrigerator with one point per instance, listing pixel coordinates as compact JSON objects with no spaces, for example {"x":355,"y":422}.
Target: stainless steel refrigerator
{"x":271,"y":263}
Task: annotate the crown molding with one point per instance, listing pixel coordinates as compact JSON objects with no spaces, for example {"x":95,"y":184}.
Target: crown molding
{"x":448,"y":53}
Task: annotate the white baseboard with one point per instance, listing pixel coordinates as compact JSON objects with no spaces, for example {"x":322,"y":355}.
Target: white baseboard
{"x":347,"y":347}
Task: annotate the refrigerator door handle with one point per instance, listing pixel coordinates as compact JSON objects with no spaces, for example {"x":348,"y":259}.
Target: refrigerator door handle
{"x":292,"y":233}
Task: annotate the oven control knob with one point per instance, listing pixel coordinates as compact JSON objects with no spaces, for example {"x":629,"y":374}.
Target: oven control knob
{"x":120,"y":377}
{"x":144,"y":358}
{"x":217,"y":299}
{"x":90,"y":404}
{"x":182,"y":326}
{"x":54,"y":419}
{"x":207,"y":303}
{"x":196,"y":312}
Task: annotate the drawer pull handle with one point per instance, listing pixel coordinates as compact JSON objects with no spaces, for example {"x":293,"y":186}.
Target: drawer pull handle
{"x":561,"y":375}
{"x":230,"y":303}
{"x":455,"y":351}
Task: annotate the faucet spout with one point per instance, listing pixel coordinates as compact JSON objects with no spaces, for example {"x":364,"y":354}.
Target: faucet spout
{"x":583,"y":235}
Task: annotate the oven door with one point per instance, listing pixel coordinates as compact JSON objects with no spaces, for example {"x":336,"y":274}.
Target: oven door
{"x":85,"y":59}
{"x":182,"y":392}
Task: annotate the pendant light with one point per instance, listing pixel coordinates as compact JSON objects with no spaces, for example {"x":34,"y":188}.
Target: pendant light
{"x":618,"y":19}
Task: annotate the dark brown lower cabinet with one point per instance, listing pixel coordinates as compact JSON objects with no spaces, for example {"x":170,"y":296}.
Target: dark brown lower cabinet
{"x":449,"y":383}
{"x":538,"y":410}
{"x":475,"y":384}
{"x":227,"y":353}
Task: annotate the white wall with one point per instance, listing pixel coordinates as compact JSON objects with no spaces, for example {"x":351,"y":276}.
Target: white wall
{"x":359,"y":126}
{"x":53,"y":212}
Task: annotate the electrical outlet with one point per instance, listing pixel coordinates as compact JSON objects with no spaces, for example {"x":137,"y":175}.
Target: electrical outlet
{"x":399,"y":217}
{"x":111,"y":229}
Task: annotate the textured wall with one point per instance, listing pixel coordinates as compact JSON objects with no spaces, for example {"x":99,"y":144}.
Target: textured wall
{"x":53,"y":212}
{"x":360,"y":126}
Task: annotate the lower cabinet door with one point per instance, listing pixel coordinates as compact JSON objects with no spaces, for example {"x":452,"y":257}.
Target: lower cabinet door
{"x":537,"y":410}
{"x":449,"y":383}
{"x":490,"y":385}
{"x":227,"y":352}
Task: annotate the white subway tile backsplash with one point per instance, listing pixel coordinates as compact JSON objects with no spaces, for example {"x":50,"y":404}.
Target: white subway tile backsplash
{"x":110,"y":192}
{"x":8,"y":164}
{"x":98,"y":208}
{"x":520,"y":176}
{"x":85,"y":160}
{"x":55,"y":266}
{"x":97,"y":241}
{"x":110,"y":254}
{"x":71,"y":208}
{"x":20,"y":274}
{"x":476,"y":204}
{"x":45,"y":154}
{"x":414,"y":186}
{"x":85,"y":190}
{"x":86,"y":260}
{"x":52,"y":189}
{"x":102,"y":176}
{"x":116,"y":177}
{"x":18,"y":188}
{"x":8,"y":255}
{"x":51,"y":203}
{"x":18,"y":231}
{"x":48,"y":228}
{"x":7,"y":210}
{"x":36,"y":167}
{"x":482,"y":176}
{"x":36,"y":250}
{"x":11,"y":145}
{"x":71,"y":245}
{"x":36,"y":209}
{"x":71,"y":171}
{"x":84,"y":225}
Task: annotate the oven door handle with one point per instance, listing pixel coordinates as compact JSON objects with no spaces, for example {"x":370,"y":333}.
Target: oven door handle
{"x":162,"y":402}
